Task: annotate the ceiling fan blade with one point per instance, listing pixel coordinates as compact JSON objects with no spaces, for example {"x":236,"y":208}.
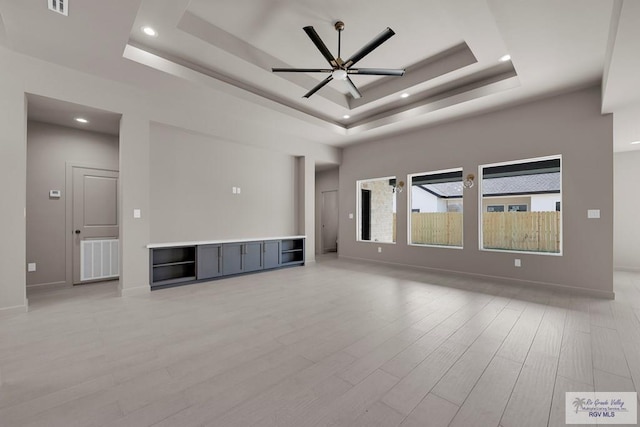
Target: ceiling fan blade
{"x":376,"y":71}
{"x":352,"y":88}
{"x":315,"y":38}
{"x":369,"y":47}
{"x":318,"y":87}
{"x":301,"y":70}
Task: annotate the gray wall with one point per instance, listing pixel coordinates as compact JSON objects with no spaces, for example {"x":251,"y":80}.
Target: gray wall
{"x":326,"y":180}
{"x":192,"y":176}
{"x":570,"y":125}
{"x":626,"y":229}
{"x":13,"y":163}
{"x":49,"y":149}
{"x":208,"y":109}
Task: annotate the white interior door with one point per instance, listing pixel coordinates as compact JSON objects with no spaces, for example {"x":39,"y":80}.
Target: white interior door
{"x":329,"y":219}
{"x":95,"y":209}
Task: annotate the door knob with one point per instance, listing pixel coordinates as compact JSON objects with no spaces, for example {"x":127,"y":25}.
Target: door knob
{"x":77,"y":231}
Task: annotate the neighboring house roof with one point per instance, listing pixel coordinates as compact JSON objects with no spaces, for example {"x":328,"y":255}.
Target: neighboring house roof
{"x":519,"y":184}
{"x":522,"y":184}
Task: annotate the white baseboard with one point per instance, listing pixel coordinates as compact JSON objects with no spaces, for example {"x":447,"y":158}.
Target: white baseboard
{"x":49,"y":285}
{"x":132,"y":292}
{"x":18,"y":309}
{"x":505,"y":280}
{"x":627,"y":269}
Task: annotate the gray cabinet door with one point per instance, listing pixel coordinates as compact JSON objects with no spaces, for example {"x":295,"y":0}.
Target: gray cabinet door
{"x":232,"y":258}
{"x":252,"y":256}
{"x":271,"y":252}
{"x":209,"y":261}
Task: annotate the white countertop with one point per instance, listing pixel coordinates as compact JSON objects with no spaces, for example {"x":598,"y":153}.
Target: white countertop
{"x":217,"y":242}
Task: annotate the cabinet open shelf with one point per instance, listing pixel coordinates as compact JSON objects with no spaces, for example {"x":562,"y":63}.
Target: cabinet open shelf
{"x":173,"y":263}
{"x":204,"y":261}
{"x":171,"y":266}
{"x":292,"y":252}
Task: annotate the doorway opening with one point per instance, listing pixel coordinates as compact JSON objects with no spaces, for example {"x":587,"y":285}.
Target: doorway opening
{"x":72,"y":217}
{"x":329,"y":221}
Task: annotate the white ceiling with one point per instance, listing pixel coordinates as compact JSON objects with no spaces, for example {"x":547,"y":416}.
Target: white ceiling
{"x":55,"y":111}
{"x":449,"y":47}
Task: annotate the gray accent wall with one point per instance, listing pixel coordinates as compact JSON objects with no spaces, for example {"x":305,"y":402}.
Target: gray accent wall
{"x":192,"y":177}
{"x":569,"y":124}
{"x":50,"y":149}
{"x":626,"y":230}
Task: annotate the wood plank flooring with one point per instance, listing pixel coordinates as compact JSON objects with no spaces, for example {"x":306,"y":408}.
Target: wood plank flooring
{"x":336,"y":343}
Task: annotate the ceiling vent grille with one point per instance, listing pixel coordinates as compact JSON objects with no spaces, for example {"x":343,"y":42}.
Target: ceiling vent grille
{"x":59,"y":6}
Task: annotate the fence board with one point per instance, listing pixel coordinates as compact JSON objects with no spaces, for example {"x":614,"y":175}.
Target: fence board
{"x":522,"y":231}
{"x":436,"y":228}
{"x":518,"y":231}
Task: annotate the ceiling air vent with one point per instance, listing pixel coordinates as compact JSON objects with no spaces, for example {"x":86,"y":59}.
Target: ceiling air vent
{"x":59,"y":6}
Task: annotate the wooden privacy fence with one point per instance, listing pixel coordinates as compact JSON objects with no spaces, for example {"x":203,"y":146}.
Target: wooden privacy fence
{"x":518,"y":231}
{"x":436,"y":228}
{"x":522,"y":231}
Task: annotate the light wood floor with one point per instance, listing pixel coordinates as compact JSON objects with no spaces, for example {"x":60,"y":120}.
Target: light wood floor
{"x":336,"y":343}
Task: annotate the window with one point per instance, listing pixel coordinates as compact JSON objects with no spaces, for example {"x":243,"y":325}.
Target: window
{"x":436,"y":208}
{"x":377,"y":210}
{"x":521,"y":206}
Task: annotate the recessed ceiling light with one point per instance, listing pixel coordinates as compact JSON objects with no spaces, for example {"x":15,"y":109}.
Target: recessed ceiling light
{"x":346,"y":116}
{"x":404,"y":95}
{"x":81,"y":120}
{"x":636,"y":142}
{"x":149,"y":31}
{"x":505,"y":58}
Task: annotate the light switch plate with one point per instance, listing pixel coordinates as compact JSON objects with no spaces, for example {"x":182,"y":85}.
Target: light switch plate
{"x":137,"y":213}
{"x":517,"y":262}
{"x":31,"y":266}
{"x":593,"y":213}
{"x":234,"y":190}
{"x":350,"y":216}
{"x":238,"y":190}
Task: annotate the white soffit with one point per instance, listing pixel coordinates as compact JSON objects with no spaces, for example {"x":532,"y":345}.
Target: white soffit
{"x":239,"y":43}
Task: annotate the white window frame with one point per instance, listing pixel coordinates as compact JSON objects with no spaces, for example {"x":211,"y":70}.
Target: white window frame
{"x":480,"y":210}
{"x":409,"y":204}
{"x":359,"y":210}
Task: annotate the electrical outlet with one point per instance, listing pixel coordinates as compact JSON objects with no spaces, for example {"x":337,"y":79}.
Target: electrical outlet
{"x":238,"y":190}
{"x":379,"y":249}
{"x":517,"y":262}
{"x":137,"y":213}
{"x":31,"y":266}
{"x":350,"y":216}
{"x":234,"y":190}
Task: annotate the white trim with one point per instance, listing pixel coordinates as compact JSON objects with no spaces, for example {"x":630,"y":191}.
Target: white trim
{"x":409,"y":206}
{"x":220,"y":241}
{"x":417,"y":245}
{"x":359,"y":209}
{"x":501,"y":279}
{"x":132,"y":292}
{"x":16,"y":309}
{"x":481,"y":212}
{"x":627,"y":269}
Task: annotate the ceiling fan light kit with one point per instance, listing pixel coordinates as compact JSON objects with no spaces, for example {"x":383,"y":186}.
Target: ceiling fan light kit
{"x":341,"y":69}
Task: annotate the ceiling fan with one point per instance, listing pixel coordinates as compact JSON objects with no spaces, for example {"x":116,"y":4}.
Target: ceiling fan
{"x":340,"y":69}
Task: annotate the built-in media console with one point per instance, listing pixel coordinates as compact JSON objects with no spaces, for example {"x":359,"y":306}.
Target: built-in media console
{"x":174,"y":264}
